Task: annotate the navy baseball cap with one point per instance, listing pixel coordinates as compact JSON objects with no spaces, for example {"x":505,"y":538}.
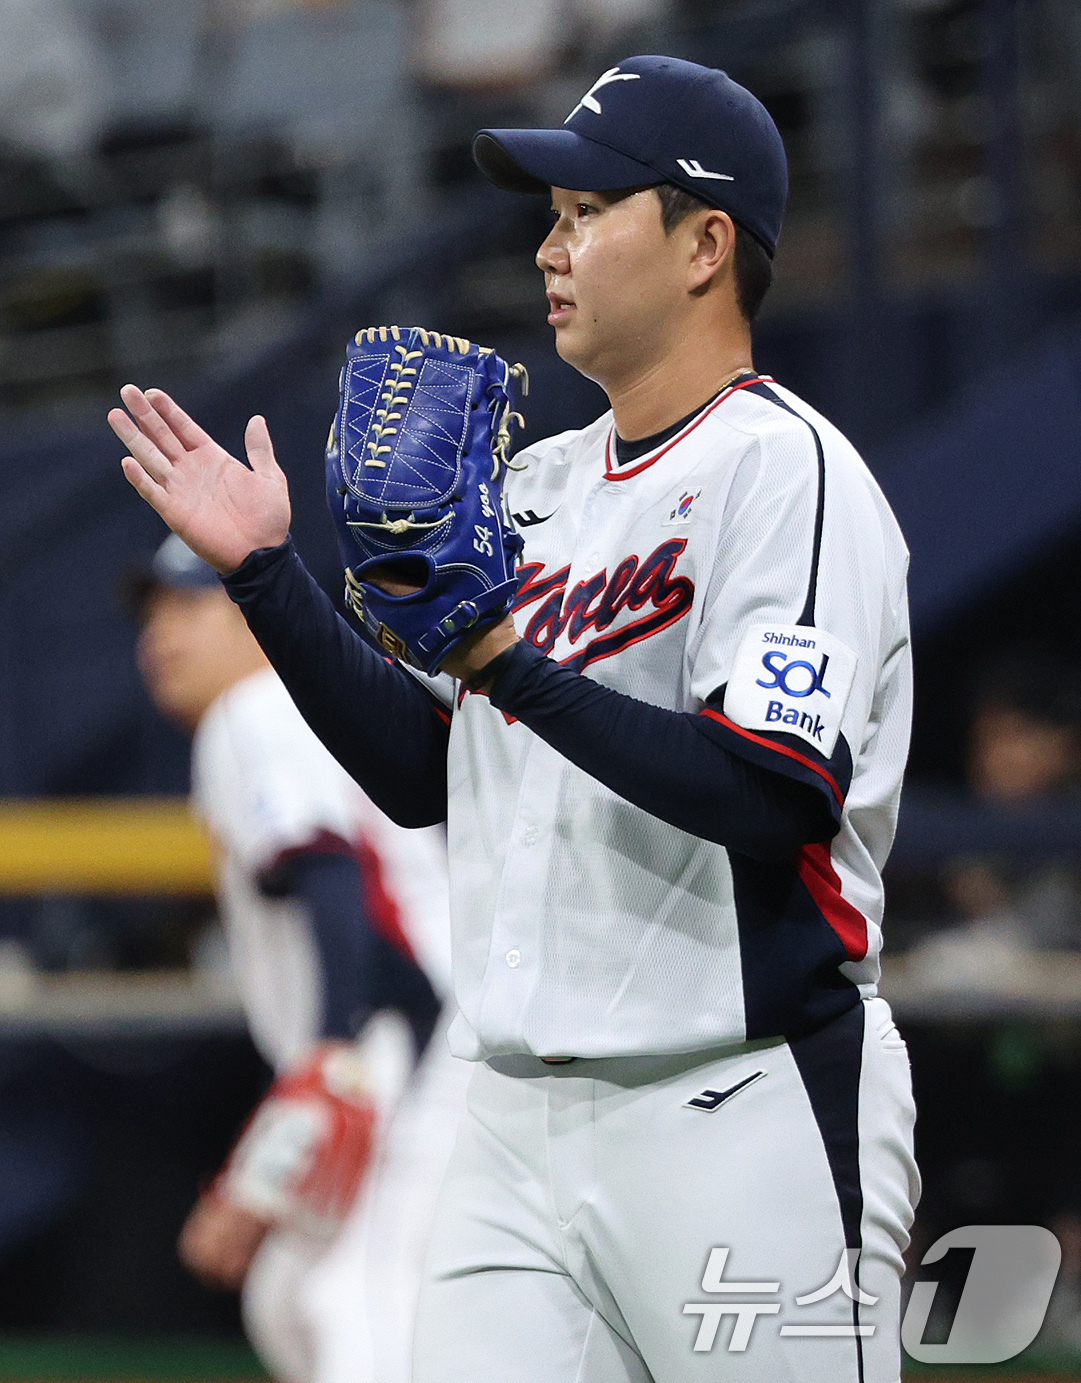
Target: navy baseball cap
{"x":651,"y":120}
{"x":174,"y":567}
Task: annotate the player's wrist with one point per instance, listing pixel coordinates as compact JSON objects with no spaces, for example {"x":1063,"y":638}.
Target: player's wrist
{"x":260,"y":565}
{"x":254,"y":560}
{"x":471,"y":660}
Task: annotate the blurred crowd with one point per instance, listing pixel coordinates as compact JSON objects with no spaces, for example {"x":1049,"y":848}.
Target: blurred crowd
{"x":175,"y":179}
{"x":973,"y":915}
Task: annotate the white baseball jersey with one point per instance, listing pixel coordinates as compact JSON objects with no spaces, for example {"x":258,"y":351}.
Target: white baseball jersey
{"x":750,"y":570}
{"x":265,"y":786}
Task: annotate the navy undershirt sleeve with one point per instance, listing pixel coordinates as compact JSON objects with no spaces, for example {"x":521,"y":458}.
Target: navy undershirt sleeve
{"x":392,"y":737}
{"x":666,"y":762}
{"x":381,"y":725}
{"x":362,"y":971}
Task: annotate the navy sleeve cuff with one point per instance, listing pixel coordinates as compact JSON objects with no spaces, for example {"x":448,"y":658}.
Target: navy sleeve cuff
{"x":256,"y":563}
{"x":510,"y":670}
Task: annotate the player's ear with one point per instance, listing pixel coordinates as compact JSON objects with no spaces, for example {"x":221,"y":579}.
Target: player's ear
{"x":713,"y":247}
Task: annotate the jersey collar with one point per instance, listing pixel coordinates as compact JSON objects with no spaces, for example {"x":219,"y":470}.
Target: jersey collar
{"x":614,"y":472}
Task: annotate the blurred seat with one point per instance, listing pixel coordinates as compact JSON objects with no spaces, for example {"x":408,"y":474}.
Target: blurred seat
{"x":152,"y":51}
{"x":51,"y":79}
{"x":332,"y":82}
{"x":489,"y":43}
{"x":333,"y":74}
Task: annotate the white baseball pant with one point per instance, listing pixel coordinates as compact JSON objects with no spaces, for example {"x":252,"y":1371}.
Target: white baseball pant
{"x":583,"y":1225}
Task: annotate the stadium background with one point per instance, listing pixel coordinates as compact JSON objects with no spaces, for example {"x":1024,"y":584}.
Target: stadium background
{"x":212,"y":195}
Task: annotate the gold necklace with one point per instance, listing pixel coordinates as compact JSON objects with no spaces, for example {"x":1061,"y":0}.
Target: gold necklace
{"x":743,"y":370}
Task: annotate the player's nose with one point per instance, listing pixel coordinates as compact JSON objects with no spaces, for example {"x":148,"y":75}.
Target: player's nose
{"x":552,"y":257}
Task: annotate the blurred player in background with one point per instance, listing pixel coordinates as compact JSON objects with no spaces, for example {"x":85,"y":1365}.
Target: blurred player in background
{"x":337,"y":928}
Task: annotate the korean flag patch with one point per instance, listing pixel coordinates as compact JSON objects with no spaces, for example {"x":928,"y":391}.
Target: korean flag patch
{"x":791,"y":679}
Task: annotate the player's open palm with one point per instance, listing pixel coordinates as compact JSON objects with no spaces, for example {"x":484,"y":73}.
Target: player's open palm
{"x":221,"y":509}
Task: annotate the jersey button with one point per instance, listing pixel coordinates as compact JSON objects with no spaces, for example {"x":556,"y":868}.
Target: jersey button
{"x":530,"y":834}
{"x":514,"y":958}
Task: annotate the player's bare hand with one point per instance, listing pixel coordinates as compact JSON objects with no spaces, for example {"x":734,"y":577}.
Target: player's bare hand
{"x":221,"y":509}
{"x":219,"y":1242}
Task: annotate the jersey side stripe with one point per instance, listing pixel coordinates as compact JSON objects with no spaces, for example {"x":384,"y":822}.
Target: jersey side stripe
{"x":823,"y":884}
{"x":761,"y":389}
{"x":789,"y":953}
{"x":777,"y":749}
{"x":830,"y":1064}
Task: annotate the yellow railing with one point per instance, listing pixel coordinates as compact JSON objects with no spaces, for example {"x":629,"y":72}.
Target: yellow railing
{"x":102,"y":845}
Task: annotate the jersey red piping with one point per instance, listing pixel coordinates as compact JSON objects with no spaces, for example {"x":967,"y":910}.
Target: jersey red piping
{"x":625,"y":472}
{"x":778,"y":749}
{"x":823,"y":884}
{"x":382,"y":906}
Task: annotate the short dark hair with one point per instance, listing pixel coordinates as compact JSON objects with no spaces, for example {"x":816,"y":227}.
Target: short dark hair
{"x":753,"y":266}
{"x":1033,"y":679}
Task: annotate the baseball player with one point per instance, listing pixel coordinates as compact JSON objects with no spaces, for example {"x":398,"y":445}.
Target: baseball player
{"x":670,"y":782}
{"x":335,"y":919}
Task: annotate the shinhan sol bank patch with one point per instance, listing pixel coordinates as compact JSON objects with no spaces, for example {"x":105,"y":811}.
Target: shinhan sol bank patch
{"x":791,"y":679}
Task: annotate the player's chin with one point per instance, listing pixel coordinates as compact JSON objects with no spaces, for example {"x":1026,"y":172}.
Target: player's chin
{"x":571,"y":347}
{"x":179,"y":702}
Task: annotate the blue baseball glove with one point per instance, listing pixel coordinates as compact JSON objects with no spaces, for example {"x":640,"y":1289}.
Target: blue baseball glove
{"x":415,"y":461}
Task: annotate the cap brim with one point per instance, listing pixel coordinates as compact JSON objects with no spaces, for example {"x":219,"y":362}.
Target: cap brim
{"x":140,"y":581}
{"x":535,"y":160}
